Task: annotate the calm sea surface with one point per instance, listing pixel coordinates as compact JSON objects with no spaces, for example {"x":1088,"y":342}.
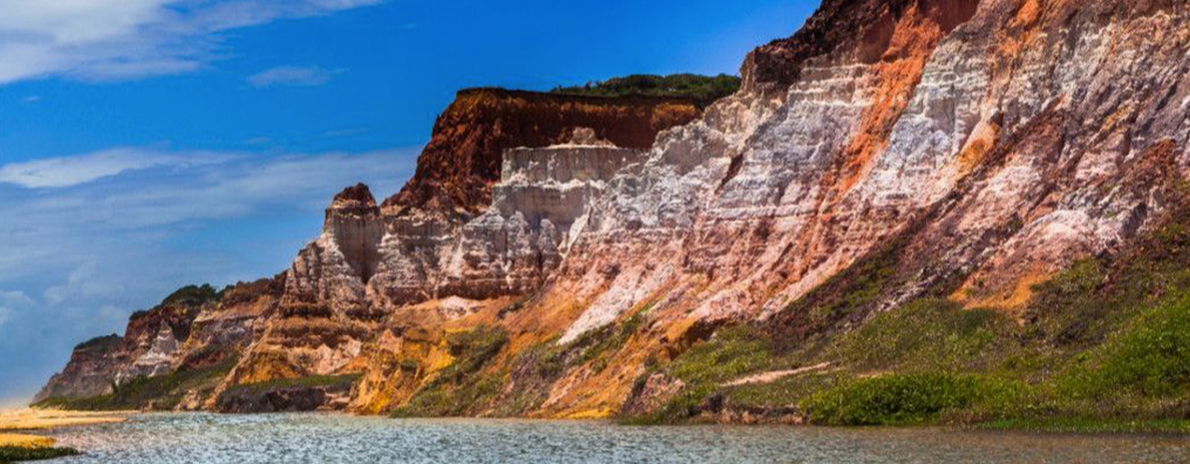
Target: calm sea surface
{"x":319,"y":438}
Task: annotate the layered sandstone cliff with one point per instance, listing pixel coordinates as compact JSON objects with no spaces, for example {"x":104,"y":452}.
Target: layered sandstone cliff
{"x":964,"y":150}
{"x":457,"y":168}
{"x":442,"y":239}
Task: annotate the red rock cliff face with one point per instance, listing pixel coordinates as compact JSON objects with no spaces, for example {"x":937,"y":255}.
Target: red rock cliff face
{"x":457,"y":168}
{"x":863,"y":28}
{"x":968,"y":148}
{"x":437,"y":239}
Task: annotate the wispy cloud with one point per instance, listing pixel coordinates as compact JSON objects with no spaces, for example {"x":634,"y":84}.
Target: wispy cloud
{"x":115,"y":39}
{"x":292,"y":76}
{"x":59,"y":215}
{"x":76,"y":259}
{"x":12,"y":301}
{"x":345,"y":132}
{"x":74,"y":170}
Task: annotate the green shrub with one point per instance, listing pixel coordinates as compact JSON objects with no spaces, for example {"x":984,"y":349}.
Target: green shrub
{"x":732,"y":352}
{"x":702,"y":89}
{"x":900,"y":399}
{"x":928,"y":334}
{"x":9,"y":454}
{"x":193,"y":295}
{"x":1149,"y":358}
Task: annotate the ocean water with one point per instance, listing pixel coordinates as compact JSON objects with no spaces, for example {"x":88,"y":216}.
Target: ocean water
{"x":334,"y":438}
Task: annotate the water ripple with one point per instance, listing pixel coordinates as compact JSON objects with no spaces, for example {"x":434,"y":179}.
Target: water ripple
{"x":332,"y":438}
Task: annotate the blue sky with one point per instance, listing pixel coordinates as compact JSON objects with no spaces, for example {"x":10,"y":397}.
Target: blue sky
{"x":148,"y":144}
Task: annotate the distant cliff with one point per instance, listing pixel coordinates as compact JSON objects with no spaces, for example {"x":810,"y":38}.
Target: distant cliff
{"x":912,"y":211}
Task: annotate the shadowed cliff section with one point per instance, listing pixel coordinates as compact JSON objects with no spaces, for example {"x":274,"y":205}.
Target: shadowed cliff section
{"x":353,"y":221}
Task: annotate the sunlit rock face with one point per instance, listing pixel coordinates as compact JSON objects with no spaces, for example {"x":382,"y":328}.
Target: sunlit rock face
{"x":457,"y":170}
{"x":323,"y":316}
{"x":1013,"y":129}
{"x":975,"y":146}
{"x":334,"y":269}
{"x":457,"y":233}
{"x":539,"y":206}
{"x":991,"y":142}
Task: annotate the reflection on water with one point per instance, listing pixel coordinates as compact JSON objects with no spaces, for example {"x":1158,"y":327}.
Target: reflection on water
{"x":318,"y":438}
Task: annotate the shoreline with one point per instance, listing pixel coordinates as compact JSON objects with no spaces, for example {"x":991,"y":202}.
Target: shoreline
{"x":48,"y":419}
{"x":17,"y":445}
{"x":32,"y":419}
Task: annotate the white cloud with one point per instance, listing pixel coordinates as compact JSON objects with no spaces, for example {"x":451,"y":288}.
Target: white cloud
{"x":115,"y":39}
{"x":148,"y":196}
{"x":13,"y":298}
{"x":292,"y":76}
{"x":10,"y":301}
{"x":76,"y":260}
{"x":79,"y":169}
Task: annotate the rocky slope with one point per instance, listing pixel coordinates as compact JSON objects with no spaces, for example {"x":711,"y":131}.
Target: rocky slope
{"x":966,"y":152}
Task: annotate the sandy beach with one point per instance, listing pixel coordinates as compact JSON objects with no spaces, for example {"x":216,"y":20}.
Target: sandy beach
{"x":38,"y":419}
{"x":15,"y":447}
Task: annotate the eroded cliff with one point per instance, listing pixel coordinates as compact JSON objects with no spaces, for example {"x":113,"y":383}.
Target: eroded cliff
{"x":939,"y":162}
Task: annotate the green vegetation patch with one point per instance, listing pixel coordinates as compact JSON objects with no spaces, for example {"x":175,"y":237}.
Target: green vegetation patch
{"x":194,"y":295}
{"x":595,"y":347}
{"x":464,"y":386}
{"x":901,"y":399}
{"x":847,"y":297}
{"x":928,"y":334}
{"x":10,"y":454}
{"x":1147,"y":359}
{"x":704,"y":90}
{"x":733,"y":352}
{"x":1104,"y":346}
{"x":101,"y":343}
{"x":538,"y":367}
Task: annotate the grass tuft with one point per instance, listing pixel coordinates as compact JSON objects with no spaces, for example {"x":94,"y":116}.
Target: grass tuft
{"x":11,"y":454}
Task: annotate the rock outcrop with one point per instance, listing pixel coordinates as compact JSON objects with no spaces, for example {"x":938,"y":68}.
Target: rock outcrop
{"x":957,"y":149}
{"x":195,"y":328}
{"x":456,"y":170}
{"x":442,"y":240}
{"x":89,"y":373}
